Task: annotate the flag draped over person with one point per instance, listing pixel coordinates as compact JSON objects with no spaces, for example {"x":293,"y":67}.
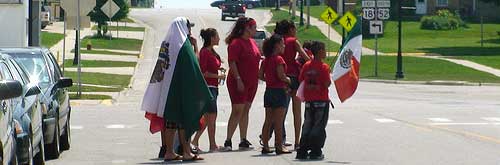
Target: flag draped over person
{"x":177,"y":91}
{"x":346,"y":70}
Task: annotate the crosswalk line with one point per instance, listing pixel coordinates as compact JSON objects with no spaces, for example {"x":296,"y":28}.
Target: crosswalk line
{"x":335,"y":122}
{"x":439,"y":119}
{"x":385,"y":120}
{"x":115,"y":126}
{"x":75,"y":127}
{"x":493,"y":119}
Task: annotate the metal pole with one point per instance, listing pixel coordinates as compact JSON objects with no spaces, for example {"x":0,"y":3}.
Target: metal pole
{"x":399,"y":72}
{"x":308,"y":13}
{"x":482,"y":32}
{"x":79,"y":94}
{"x":64,"y":46}
{"x":328,"y":51}
{"x":376,"y":41}
{"x":277,"y":4}
{"x":117,"y":30}
{"x":301,"y":12}
{"x":343,"y":29}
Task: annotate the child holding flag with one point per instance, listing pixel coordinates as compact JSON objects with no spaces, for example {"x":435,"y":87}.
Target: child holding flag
{"x":315,"y":78}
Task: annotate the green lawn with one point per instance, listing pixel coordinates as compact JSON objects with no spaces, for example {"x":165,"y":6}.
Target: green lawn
{"x":421,"y":69}
{"x":96,"y":63}
{"x":119,"y":81}
{"x":50,"y":39}
{"x":491,"y":61}
{"x":115,"y":43}
{"x":128,"y":20}
{"x":122,"y":28}
{"x":85,"y":51}
{"x":89,"y":97}
{"x":303,"y":34}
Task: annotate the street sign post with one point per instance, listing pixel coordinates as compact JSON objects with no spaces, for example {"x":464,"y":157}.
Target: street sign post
{"x":110,"y":9}
{"x":376,"y":27}
{"x":348,"y":21}
{"x":375,"y":10}
{"x":329,"y":15}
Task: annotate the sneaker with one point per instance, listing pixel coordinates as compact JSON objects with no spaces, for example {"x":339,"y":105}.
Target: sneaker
{"x":245,"y":144}
{"x":317,"y":157}
{"x":228,"y":145}
{"x":301,"y":154}
{"x":288,"y":144}
{"x":163,"y":150}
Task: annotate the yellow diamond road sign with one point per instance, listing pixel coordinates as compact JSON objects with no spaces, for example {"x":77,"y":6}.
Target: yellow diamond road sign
{"x":348,"y":21}
{"x":329,"y":15}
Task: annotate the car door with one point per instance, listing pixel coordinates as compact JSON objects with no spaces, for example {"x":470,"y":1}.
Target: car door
{"x":60,"y":94}
{"x":6,"y":108}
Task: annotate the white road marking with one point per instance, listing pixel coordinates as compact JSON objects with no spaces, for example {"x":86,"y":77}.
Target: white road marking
{"x":75,"y":127}
{"x":221,"y":124}
{"x":335,"y":122}
{"x":439,"y":119}
{"x":115,"y":126}
{"x":384,"y":120}
{"x":464,"y":123}
{"x":118,"y":161}
{"x":493,"y":119}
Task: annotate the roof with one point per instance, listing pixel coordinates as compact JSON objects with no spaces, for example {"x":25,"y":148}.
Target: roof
{"x":22,"y":50}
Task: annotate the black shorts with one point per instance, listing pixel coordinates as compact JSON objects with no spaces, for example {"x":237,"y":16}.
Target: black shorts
{"x":275,"y":98}
{"x":172,"y":125}
{"x":294,"y":85}
{"x":212,"y":105}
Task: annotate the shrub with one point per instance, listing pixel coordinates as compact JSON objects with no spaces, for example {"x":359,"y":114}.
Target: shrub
{"x":443,"y":20}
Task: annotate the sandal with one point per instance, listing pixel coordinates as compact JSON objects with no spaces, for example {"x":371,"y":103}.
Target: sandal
{"x":194,"y":158}
{"x":177,"y":157}
{"x":266,"y":151}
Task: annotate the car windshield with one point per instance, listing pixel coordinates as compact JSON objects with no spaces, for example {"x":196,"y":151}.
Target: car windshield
{"x":34,"y":65}
{"x":260,"y":35}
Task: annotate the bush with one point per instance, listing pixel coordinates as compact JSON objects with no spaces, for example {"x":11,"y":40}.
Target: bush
{"x":443,"y":20}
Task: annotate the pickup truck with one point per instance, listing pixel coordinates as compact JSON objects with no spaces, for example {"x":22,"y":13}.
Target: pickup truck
{"x":233,"y":9}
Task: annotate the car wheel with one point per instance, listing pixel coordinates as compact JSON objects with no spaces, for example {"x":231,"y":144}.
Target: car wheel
{"x":250,"y":6}
{"x":66,"y":136}
{"x":39,"y":158}
{"x":53,"y":148}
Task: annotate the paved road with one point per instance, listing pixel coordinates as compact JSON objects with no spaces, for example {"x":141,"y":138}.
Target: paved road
{"x":382,"y":124}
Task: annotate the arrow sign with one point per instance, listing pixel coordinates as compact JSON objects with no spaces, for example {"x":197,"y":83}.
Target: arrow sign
{"x":376,"y":27}
{"x":71,"y":7}
{"x":110,"y":8}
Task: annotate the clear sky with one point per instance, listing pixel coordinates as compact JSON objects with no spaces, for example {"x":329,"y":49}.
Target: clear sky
{"x":183,"y":3}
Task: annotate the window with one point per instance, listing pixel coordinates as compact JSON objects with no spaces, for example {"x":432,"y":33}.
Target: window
{"x":11,"y":1}
{"x":34,"y":65}
{"x":442,"y":3}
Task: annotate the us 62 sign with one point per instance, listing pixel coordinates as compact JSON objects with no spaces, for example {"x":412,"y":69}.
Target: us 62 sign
{"x":381,"y":13}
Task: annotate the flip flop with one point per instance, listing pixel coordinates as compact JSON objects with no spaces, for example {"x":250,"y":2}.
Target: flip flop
{"x":178,"y":157}
{"x":194,"y":158}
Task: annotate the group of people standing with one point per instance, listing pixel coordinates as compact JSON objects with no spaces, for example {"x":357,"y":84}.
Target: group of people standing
{"x":287,"y":66}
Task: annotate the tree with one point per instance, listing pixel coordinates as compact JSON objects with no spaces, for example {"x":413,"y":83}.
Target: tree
{"x":101,"y":19}
{"x":497,"y":2}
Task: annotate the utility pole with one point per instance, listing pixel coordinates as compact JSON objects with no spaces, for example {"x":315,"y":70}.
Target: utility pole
{"x":308,"y":13}
{"x":301,"y":12}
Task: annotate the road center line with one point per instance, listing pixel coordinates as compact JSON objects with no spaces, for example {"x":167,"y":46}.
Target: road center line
{"x":464,"y":123}
{"x":335,"y":122}
{"x":439,"y":119}
{"x":385,"y":120}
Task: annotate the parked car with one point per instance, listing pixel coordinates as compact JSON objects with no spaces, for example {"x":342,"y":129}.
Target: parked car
{"x":45,"y":15}
{"x":259,"y":38}
{"x":232,"y":9}
{"x":217,"y":3}
{"x":9,"y":89}
{"x":28,"y":113}
{"x":43,"y":68}
{"x":252,"y":3}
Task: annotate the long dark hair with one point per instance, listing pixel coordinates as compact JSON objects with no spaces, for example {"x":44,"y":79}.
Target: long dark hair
{"x":269,"y":44}
{"x":316,"y":46}
{"x":238,"y":29}
{"x":206,"y":35}
{"x":283,"y":27}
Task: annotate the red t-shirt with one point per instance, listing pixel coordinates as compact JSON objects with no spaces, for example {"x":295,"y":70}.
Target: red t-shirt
{"x":211,"y":64}
{"x":270,"y":65}
{"x":289,"y":56}
{"x":315,"y":74}
{"x":246,"y":54}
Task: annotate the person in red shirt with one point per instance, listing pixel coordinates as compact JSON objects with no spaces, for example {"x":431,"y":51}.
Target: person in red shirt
{"x":272,"y":70}
{"x":315,"y":75}
{"x":244,"y":58}
{"x":293,"y":47}
{"x":210,"y":64}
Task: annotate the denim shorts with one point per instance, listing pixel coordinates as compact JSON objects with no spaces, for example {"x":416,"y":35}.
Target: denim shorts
{"x":275,"y":98}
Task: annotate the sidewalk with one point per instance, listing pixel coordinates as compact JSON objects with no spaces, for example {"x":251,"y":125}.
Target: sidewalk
{"x":107,"y":70}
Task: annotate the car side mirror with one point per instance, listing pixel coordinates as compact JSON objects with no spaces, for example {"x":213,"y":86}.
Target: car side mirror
{"x":33,"y":90}
{"x":65,"y":82}
{"x":10,"y":89}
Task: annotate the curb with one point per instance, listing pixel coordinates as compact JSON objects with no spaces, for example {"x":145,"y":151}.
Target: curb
{"x":436,"y":82}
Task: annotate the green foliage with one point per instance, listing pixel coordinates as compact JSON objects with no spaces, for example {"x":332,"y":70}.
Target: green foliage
{"x":101,"y":19}
{"x":443,"y":20}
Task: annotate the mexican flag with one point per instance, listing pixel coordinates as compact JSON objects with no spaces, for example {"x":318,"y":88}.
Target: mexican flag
{"x":346,"y":70}
{"x":177,"y":91}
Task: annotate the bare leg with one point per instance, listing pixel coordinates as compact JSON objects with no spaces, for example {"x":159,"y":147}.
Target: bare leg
{"x":244,"y":121}
{"x":196,"y":138}
{"x":236,"y":113}
{"x":267,"y":126}
{"x":169,"y":142}
{"x":210,"y":119}
{"x":278,"y":115}
{"x":186,"y":149}
{"x":297,"y":116}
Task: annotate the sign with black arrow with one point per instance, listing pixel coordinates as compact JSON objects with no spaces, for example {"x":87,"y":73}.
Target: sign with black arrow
{"x":376,"y":27}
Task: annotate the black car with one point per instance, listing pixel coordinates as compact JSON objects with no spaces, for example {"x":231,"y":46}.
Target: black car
{"x":27,"y":113}
{"x":9,"y":89}
{"x":252,"y":3}
{"x":44,"y":69}
{"x":217,"y":3}
{"x":233,"y":9}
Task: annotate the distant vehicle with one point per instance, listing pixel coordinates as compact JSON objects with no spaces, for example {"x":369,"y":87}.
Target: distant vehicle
{"x":28,"y":113}
{"x":232,"y":9}
{"x":43,"y":68}
{"x":259,"y":38}
{"x":9,"y":90}
{"x":252,"y":3}
{"x":45,"y":15}
{"x":217,"y":3}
